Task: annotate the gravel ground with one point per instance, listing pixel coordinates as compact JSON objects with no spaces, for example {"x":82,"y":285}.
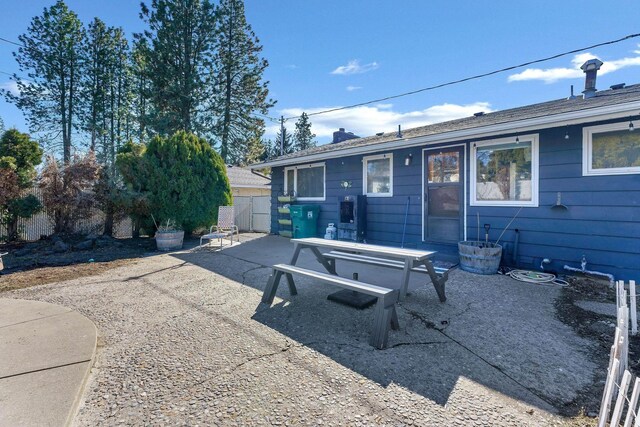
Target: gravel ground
{"x":185,"y":341}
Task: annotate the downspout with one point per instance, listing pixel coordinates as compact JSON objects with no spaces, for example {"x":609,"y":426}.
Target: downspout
{"x":515,"y":248}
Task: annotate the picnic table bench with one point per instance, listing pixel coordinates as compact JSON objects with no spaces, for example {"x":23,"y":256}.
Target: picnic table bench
{"x":438,"y":275}
{"x":385,"y":315}
{"x":385,"y":309}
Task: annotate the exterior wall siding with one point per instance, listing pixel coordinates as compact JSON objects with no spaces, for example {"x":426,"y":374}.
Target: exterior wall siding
{"x":602,"y":221}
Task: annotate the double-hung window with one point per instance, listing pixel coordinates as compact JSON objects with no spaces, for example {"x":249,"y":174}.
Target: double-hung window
{"x":306,"y":182}
{"x":377,"y":176}
{"x":504,"y":172}
{"x":610,"y":150}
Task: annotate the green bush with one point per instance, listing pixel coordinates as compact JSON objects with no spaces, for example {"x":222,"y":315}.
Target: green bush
{"x":19,"y":155}
{"x":182,"y":177}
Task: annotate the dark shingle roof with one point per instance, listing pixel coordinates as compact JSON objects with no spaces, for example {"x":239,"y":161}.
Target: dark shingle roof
{"x":239,"y":176}
{"x":601,"y":99}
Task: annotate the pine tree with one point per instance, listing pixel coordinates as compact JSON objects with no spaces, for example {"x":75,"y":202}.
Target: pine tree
{"x":140,"y":89}
{"x":181,"y":37}
{"x":118,"y":96}
{"x":239,"y":89}
{"x":51,"y":57}
{"x":303,"y":138}
{"x":106,"y":85}
{"x":255,"y":152}
{"x":282,"y":146}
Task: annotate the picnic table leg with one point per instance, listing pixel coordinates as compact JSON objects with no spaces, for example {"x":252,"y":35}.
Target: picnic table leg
{"x":330,"y":268}
{"x":272,"y":287}
{"x":438,"y":282}
{"x":292,"y":285}
{"x":377,"y":339}
{"x":384,"y":316}
{"x":296,"y":252}
{"x":404,"y":285}
{"x":395,"y":324}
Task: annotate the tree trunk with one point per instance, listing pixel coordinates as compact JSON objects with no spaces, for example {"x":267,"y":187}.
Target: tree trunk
{"x":12,"y":228}
{"x":71,"y":94}
{"x":108,"y":223}
{"x":224,"y":145}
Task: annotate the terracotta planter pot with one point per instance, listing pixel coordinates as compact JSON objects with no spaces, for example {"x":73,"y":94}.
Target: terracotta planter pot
{"x":169,"y":240}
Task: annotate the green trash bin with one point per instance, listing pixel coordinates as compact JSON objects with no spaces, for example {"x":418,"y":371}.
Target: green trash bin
{"x":304,"y":219}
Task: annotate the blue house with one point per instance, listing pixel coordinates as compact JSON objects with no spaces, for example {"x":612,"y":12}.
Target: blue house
{"x":562,"y":178}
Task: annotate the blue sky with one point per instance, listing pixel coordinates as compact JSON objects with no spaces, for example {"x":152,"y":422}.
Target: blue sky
{"x":330,"y":53}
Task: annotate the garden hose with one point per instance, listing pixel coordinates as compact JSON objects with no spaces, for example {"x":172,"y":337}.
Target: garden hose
{"x":535,"y":277}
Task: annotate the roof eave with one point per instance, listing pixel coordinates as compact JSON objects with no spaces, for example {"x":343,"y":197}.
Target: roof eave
{"x":525,"y":125}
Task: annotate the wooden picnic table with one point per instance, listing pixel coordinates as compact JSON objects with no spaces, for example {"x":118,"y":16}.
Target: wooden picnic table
{"x":411,"y":259}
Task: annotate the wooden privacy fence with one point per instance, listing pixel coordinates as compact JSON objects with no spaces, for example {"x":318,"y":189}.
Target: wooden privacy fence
{"x":618,"y":376}
{"x":253,"y":213}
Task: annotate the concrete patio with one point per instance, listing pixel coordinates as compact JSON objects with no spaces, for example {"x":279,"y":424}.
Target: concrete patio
{"x":184,"y":340}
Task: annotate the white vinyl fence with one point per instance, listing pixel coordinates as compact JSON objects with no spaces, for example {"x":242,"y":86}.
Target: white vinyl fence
{"x":253,"y":213}
{"x":41,"y":224}
{"x":618,"y":376}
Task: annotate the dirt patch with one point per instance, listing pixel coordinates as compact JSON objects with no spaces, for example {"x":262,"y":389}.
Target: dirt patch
{"x":44,"y":275}
{"x":66,"y":257}
{"x":600,"y":329}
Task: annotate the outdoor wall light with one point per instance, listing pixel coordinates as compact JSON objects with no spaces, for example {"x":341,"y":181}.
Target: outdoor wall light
{"x":566,"y":133}
{"x":517,"y":140}
{"x":408,"y":159}
{"x":345,"y":184}
{"x":631,"y":128}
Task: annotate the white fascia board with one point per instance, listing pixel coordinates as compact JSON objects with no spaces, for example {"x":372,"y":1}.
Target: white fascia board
{"x":563,"y":119}
{"x":250,"y":186}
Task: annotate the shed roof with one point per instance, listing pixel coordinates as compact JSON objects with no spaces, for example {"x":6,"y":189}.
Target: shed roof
{"x":545,"y":112}
{"x":243,"y":177}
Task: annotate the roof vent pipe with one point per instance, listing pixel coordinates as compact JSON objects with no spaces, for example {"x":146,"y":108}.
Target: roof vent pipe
{"x":572,"y":96}
{"x":590,"y":68}
{"x":399,"y":134}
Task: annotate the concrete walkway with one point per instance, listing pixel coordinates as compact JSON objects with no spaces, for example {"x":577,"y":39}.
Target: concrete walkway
{"x":45,"y":358}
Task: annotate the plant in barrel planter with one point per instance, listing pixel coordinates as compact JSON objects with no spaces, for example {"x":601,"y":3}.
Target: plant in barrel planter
{"x":482,"y":257}
{"x":479,"y":257}
{"x":168,"y":236}
{"x":184,"y":181}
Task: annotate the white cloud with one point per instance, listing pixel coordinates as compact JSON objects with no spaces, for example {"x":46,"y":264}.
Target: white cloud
{"x":352,"y":88}
{"x":291,"y":66}
{"x":552,"y":75}
{"x":11,"y":86}
{"x":369,"y":120}
{"x":354,"y":67}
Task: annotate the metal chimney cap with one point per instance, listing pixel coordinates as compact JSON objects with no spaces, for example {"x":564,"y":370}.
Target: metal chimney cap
{"x":591,"y":65}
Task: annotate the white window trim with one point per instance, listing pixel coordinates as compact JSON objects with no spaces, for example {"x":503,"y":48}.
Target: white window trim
{"x":587,"y":152}
{"x":295,"y":181}
{"x":535,"y":167}
{"x":364,"y":174}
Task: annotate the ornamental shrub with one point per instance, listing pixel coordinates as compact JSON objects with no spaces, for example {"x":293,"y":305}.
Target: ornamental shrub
{"x":19,"y":155}
{"x":66,"y":190}
{"x":183,"y":178}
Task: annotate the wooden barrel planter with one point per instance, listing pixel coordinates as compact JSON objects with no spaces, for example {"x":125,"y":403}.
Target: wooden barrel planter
{"x":169,"y":240}
{"x":479,"y":257}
